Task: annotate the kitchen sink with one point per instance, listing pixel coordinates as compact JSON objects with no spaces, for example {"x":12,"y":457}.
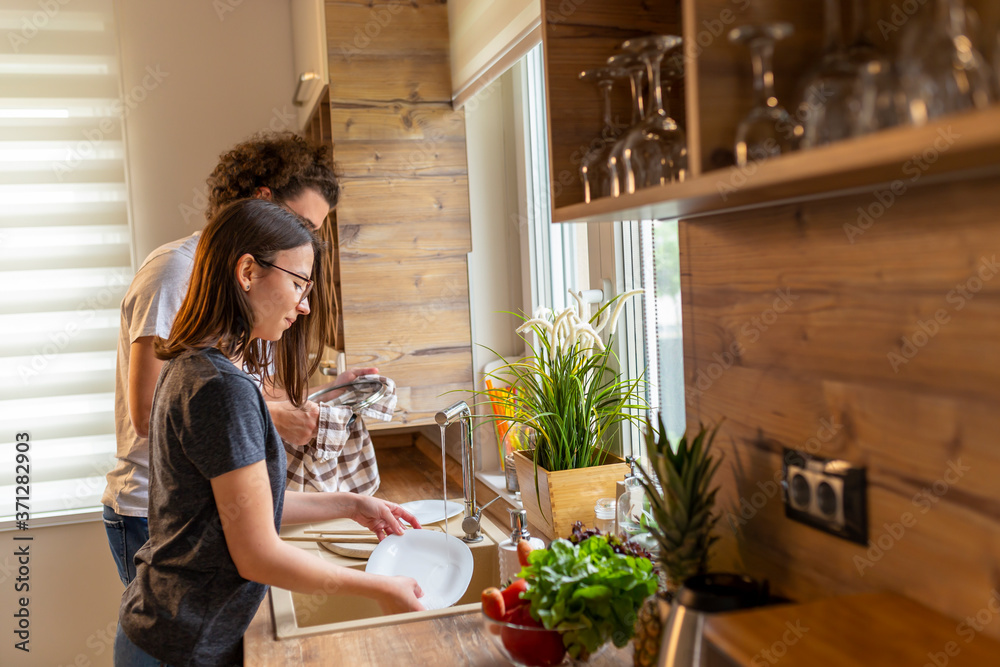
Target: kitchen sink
{"x":298,"y":615}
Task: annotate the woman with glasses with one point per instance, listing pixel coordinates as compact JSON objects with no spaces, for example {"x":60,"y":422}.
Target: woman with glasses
{"x":283,"y":168}
{"x":217,"y":464}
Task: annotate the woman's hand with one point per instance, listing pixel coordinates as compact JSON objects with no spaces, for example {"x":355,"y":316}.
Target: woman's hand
{"x":400,"y":595}
{"x":380,"y":516}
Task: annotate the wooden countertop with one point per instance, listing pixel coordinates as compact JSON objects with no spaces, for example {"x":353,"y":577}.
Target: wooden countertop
{"x":441,"y":642}
{"x":451,"y":640}
{"x":869,"y":629}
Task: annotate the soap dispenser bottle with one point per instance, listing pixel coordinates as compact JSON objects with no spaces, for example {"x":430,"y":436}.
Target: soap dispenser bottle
{"x":509,"y":565}
{"x":622,"y":493}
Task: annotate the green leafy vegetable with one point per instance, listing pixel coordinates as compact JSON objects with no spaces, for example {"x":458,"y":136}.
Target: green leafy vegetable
{"x":588,"y":592}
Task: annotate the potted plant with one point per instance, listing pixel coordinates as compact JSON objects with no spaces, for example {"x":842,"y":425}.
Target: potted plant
{"x":568,"y":391}
{"x":684,"y":517}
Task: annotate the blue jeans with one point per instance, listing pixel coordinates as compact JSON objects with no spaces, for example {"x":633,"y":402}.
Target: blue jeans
{"x":128,"y":654}
{"x":125,"y":535}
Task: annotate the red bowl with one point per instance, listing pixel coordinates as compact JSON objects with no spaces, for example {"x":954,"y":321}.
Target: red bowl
{"x":525,"y":646}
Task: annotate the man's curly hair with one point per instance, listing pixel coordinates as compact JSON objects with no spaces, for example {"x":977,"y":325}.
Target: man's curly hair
{"x":282,"y":161}
{"x":287,"y":164}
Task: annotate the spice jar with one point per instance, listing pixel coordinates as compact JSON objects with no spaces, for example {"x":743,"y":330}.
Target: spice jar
{"x":604,"y":515}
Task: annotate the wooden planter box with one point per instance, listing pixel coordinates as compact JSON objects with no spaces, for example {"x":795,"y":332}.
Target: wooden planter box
{"x":566,"y":496}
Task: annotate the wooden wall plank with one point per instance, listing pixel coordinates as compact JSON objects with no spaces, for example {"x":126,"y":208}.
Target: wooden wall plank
{"x":846,"y":245}
{"x":412,"y":329}
{"x":412,"y":80}
{"x":369,"y":28}
{"x":376,"y":159}
{"x":420,"y":283}
{"x":419,"y":404}
{"x":426,"y":125}
{"x":384,"y":242}
{"x":865,"y":338}
{"x":439,"y":200}
{"x":443,"y":367}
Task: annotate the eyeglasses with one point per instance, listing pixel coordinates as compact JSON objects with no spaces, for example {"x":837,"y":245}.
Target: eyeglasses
{"x":305,"y":289}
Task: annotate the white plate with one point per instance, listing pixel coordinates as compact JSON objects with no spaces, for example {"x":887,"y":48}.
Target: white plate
{"x":432,"y":511}
{"x":441,"y":564}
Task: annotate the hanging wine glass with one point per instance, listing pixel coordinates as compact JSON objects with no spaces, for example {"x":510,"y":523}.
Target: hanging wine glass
{"x":767,"y":130}
{"x":656,"y":152}
{"x":830,"y":107}
{"x":943,"y":71}
{"x":636,"y":71}
{"x":594,"y":167}
{"x":880,"y":98}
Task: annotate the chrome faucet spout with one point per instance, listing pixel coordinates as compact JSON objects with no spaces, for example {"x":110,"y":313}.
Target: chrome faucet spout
{"x":460,"y":412}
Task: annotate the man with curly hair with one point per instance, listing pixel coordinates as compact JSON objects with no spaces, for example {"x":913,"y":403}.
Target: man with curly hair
{"x":282,"y":167}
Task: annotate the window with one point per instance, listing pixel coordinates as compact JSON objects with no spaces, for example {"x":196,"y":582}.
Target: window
{"x":509,"y":181}
{"x":65,"y":247}
{"x":630,"y":254}
{"x":558,"y":254}
{"x":661,"y":264}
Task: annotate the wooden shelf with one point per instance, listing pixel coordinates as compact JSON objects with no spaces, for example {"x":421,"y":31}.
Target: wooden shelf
{"x":716,"y":93}
{"x":908,"y":155}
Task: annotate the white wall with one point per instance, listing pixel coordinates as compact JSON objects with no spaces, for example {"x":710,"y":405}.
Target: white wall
{"x":218,"y":79}
{"x":495,"y":275}
{"x":226,"y":72}
{"x":74,"y":592}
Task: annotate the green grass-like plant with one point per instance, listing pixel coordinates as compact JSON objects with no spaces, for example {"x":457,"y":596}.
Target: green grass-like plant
{"x":571,"y":396}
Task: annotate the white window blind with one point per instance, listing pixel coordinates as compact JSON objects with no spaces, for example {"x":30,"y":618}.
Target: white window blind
{"x":65,"y":257}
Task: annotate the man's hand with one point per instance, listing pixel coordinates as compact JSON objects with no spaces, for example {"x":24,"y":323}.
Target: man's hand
{"x":380,"y":516}
{"x":296,"y":426}
{"x":344,"y":378}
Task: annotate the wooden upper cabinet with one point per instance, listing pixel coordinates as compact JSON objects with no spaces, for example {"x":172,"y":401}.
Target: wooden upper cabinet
{"x":716,"y":93}
{"x":403,"y":224}
{"x":311,"y":67}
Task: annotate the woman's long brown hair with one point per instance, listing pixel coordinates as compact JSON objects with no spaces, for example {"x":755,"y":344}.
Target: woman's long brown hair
{"x":216,"y":313}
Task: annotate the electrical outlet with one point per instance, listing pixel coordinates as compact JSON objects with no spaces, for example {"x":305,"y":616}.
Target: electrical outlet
{"x":828,"y":494}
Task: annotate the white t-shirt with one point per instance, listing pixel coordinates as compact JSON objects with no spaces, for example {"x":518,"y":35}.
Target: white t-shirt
{"x":148,"y":309}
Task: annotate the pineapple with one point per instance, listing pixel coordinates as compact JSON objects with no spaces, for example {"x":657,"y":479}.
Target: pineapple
{"x":648,"y":631}
{"x":684,"y":521}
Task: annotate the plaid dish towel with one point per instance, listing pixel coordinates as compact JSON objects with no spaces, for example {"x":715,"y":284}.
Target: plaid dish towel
{"x":341,"y":457}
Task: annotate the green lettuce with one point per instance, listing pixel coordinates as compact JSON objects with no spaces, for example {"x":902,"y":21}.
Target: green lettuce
{"x":587,"y":592}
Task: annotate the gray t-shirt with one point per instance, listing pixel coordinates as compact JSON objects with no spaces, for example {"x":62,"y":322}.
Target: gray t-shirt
{"x":188,"y":605}
{"x":148,"y":309}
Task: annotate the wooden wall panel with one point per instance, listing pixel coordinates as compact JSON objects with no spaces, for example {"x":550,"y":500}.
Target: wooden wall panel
{"x":403,"y":220}
{"x":391,"y":198}
{"x":816,"y":374}
{"x":444,"y":158}
{"x":424,"y":127}
{"x":392,"y":79}
{"x":390,"y":28}
{"x":388,"y":240}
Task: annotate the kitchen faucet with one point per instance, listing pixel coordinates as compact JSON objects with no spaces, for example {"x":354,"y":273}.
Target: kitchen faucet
{"x":461,"y":413}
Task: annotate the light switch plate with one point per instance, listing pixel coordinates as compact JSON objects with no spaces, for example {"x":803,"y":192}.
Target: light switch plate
{"x":828,"y":494}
